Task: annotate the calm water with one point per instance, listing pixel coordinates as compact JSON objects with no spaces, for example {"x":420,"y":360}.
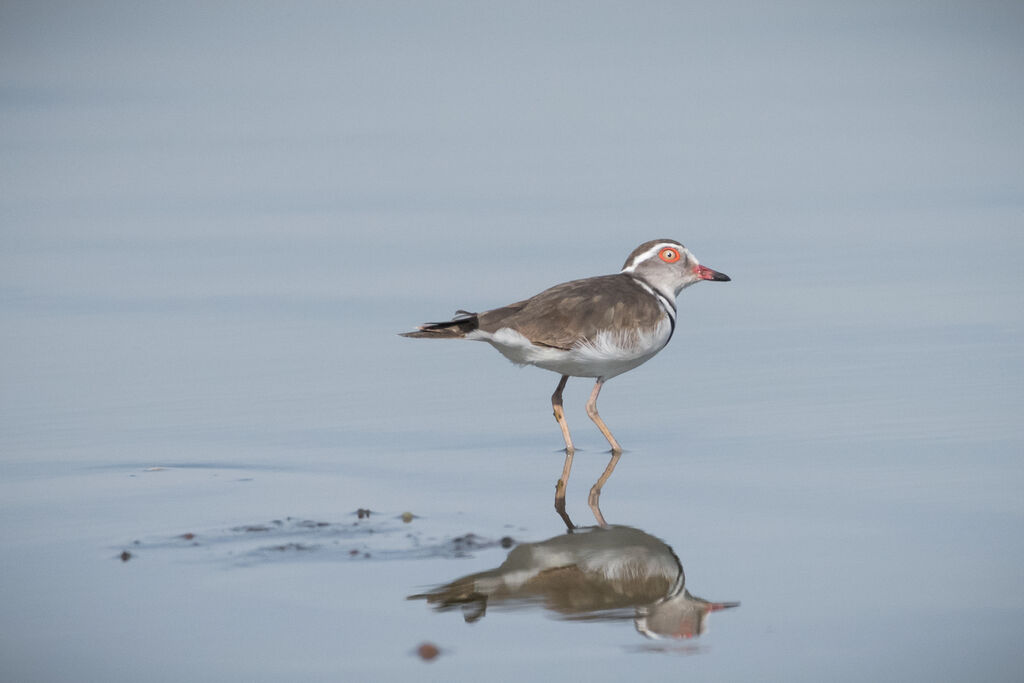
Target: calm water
{"x":213,"y":226}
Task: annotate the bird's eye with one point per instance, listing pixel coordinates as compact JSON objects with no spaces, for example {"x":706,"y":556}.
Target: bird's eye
{"x":669,"y":255}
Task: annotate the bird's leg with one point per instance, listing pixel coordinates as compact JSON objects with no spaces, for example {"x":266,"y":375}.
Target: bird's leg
{"x":594,"y":499}
{"x":556,"y":404}
{"x":592,"y":412}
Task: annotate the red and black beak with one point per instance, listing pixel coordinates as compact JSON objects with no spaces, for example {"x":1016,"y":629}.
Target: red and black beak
{"x":708,"y":274}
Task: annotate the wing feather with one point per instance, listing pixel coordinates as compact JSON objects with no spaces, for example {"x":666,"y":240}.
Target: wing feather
{"x":574,"y":313}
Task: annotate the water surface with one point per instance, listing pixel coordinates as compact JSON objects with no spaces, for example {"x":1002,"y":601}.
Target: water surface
{"x":215,"y":223}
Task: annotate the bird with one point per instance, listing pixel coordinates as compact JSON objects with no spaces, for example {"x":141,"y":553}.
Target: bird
{"x":592,"y":573}
{"x":598,"y":327}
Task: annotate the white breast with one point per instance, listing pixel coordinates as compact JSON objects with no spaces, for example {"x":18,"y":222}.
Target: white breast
{"x":610,"y":353}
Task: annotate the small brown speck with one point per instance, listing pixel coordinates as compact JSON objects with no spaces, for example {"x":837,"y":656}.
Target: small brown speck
{"x":428,"y":651}
{"x":188,"y":537}
{"x":407,"y":517}
{"x":125,"y":556}
{"x":362,"y":512}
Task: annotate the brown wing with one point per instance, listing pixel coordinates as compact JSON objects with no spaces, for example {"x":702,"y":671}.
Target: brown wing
{"x":576,"y":311}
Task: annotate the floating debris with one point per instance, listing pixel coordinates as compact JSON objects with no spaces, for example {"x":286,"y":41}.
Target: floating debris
{"x":428,"y":651}
{"x":384,"y":537}
{"x":292,"y":546}
{"x":311,"y":524}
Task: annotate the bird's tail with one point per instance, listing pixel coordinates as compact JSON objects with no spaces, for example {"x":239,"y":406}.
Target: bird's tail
{"x":462,"y":324}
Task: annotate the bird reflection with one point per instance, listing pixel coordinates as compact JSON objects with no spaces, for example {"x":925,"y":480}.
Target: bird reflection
{"x":605,"y":572}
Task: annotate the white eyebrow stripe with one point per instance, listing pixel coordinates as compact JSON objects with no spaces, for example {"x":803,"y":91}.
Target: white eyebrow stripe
{"x":639,"y":258}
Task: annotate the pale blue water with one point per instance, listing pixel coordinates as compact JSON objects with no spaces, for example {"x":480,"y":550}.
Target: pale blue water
{"x":215,"y":220}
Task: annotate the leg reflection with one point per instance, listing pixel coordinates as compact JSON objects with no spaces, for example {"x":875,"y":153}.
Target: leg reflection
{"x":560,"y":490}
{"x":594,"y":499}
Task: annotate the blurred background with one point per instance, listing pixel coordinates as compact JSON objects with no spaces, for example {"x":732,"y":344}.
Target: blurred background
{"x":215,"y":217}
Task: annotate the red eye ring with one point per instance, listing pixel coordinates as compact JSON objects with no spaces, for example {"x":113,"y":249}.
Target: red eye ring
{"x":669,"y":255}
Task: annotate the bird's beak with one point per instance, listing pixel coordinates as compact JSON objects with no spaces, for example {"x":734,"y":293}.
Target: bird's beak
{"x":716,"y":606}
{"x":708,"y":274}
